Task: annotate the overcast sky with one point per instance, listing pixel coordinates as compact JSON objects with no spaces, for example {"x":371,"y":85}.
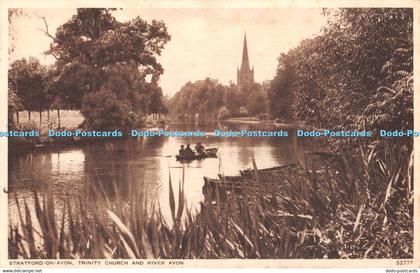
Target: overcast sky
{"x":204,"y":43}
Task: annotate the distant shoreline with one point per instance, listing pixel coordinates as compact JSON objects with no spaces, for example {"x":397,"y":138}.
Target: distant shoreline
{"x":254,"y":120}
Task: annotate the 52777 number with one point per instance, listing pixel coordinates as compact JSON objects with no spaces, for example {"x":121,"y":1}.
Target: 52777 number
{"x":404,"y":262}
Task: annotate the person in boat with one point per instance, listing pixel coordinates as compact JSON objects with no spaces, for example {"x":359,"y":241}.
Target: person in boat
{"x":182,"y":151}
{"x":189,"y":151}
{"x":199,"y":148}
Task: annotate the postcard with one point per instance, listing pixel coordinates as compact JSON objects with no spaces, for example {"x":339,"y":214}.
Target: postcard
{"x":142,"y":134}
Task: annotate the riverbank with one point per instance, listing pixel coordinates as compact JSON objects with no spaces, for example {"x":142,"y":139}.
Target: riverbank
{"x":276,"y":123}
{"x":20,"y":145}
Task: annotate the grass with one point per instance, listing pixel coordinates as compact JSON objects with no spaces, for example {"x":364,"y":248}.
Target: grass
{"x":68,"y":119}
{"x":334,"y":207}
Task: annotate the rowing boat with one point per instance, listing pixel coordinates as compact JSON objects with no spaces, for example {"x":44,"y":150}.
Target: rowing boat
{"x":211,"y":152}
{"x":233,"y":178}
{"x":212,"y":185}
{"x":249,"y":172}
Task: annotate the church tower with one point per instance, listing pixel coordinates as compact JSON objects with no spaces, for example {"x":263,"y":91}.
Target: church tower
{"x":245,"y":75}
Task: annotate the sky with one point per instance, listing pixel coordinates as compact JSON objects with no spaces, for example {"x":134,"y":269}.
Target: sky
{"x":205,"y":42}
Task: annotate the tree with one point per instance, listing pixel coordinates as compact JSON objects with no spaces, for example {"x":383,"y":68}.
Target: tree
{"x":121,"y":103}
{"x":212,"y":100}
{"x":280,"y":90}
{"x":91,"y":45}
{"x":14,"y":106}
{"x":54,"y":98}
{"x":27,"y":85}
{"x":233,"y":100}
{"x":157,"y":102}
{"x":255,"y":100}
{"x":340,"y":78}
{"x":204,"y":97}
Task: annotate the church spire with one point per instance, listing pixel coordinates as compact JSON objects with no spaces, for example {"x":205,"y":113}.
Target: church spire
{"x":245,"y":60}
{"x":245,"y":76}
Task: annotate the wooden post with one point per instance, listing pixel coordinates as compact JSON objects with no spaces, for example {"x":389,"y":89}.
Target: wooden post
{"x":58,"y":117}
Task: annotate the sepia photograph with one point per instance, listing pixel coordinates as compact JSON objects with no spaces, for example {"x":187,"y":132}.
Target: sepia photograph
{"x":179,"y":133}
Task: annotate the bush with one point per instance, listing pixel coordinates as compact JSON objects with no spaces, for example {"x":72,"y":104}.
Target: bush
{"x":121,"y":103}
{"x":105,"y":111}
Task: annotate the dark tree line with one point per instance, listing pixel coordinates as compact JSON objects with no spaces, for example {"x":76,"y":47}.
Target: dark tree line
{"x":212,"y":100}
{"x":106,"y":69}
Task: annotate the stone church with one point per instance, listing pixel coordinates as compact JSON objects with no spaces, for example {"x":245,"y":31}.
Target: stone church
{"x":245,"y":75}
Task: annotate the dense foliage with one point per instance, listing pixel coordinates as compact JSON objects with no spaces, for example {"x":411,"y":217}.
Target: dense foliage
{"x":356,"y":74}
{"x":202,"y":97}
{"x":280,"y":91}
{"x":91,"y":50}
{"x":212,"y":100}
{"x":123,"y":100}
{"x":27,"y":90}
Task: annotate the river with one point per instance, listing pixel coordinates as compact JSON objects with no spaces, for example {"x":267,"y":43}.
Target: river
{"x":148,"y":162}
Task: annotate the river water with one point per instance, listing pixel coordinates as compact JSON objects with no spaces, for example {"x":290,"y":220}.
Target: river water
{"x":148,"y":162}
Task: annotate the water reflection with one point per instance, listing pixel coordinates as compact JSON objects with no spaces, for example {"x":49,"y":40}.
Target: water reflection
{"x":144,"y":165}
